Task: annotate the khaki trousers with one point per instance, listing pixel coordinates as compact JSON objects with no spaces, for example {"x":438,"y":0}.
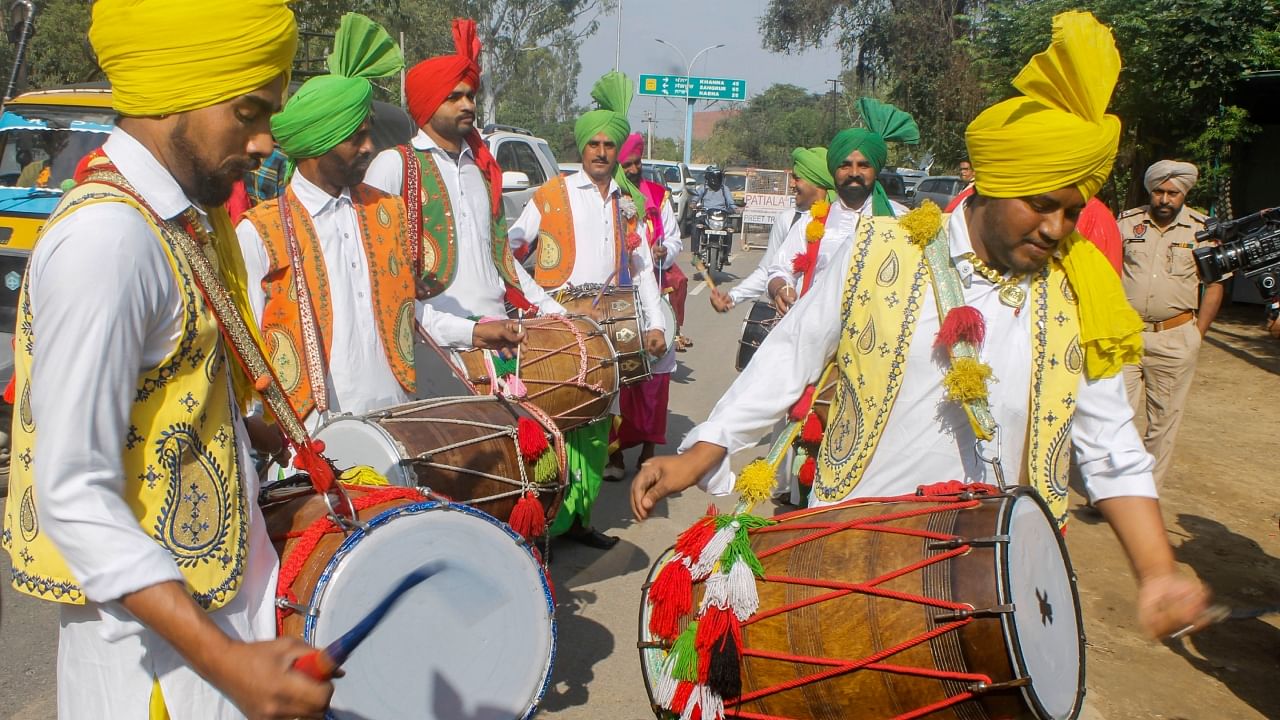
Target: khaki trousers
{"x":1158,"y":388}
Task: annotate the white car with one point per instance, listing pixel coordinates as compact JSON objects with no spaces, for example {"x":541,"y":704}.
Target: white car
{"x":526,"y":161}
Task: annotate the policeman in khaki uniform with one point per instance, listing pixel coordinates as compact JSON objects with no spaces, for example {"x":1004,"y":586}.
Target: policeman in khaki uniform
{"x":1161,"y":282}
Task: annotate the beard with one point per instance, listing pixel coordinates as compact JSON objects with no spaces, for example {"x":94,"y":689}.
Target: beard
{"x":853,"y":193}
{"x":211,"y":187}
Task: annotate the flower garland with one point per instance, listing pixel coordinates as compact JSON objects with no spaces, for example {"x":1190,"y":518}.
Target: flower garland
{"x":630,"y":213}
{"x":806,"y":263}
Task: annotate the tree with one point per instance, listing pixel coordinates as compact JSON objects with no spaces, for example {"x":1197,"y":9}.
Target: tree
{"x":769,"y":127}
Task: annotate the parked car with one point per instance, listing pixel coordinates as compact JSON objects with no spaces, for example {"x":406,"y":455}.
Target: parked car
{"x":567,"y":169}
{"x":526,"y":161}
{"x":941,"y":189}
{"x":910,"y":178}
{"x":894,"y":186}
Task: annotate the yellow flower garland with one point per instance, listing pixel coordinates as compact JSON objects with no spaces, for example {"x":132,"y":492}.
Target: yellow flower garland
{"x":817,"y":227}
{"x":922,"y":223}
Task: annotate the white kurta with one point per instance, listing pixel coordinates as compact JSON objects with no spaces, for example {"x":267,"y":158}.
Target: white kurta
{"x":595,"y":260}
{"x":927,"y":439}
{"x":840,"y":226}
{"x":106,"y":309}
{"x":756,"y":285}
{"x":477,"y":290}
{"x":359,"y":377}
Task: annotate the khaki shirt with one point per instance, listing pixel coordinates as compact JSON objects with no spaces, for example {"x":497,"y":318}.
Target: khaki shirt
{"x":1159,"y":271}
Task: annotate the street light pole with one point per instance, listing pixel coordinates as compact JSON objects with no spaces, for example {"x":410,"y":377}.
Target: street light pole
{"x":689,"y":100}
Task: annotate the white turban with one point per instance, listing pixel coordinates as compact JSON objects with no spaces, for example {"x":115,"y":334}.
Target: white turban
{"x":1182,"y":174}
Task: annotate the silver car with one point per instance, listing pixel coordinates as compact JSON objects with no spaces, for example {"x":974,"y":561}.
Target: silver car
{"x":941,"y":189}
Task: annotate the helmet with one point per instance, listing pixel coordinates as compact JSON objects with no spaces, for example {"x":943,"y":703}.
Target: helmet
{"x":713,"y":177}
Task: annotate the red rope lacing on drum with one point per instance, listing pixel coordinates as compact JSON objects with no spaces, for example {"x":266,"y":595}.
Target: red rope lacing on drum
{"x":291,"y":565}
{"x":942,"y":498}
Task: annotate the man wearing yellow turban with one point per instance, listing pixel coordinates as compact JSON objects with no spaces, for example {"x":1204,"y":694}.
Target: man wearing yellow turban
{"x":1161,"y":282}
{"x":984,"y":346}
{"x":589,"y":228}
{"x":853,"y":162}
{"x":133,"y":501}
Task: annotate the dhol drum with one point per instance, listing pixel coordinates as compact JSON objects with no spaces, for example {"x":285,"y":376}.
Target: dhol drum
{"x":760,"y":320}
{"x":622,"y":321}
{"x":466,"y":449}
{"x":956,"y":607}
{"x":475,"y":640}
{"x":566,"y":365}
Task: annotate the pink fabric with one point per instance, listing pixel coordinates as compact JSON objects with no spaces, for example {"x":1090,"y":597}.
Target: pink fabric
{"x":632,"y":148}
{"x":644,"y":412}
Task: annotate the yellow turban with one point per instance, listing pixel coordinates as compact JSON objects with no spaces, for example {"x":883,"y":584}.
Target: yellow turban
{"x":171,"y":56}
{"x":1056,"y":134}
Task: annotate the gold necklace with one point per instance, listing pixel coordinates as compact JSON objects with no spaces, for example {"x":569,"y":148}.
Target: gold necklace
{"x":1009,"y":290}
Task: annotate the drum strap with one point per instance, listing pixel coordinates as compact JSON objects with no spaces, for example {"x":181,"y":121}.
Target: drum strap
{"x":312,"y":353}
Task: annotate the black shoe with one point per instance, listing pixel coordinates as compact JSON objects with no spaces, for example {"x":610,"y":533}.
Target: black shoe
{"x":592,"y":538}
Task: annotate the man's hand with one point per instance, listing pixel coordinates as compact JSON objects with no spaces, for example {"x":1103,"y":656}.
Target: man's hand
{"x":721,"y":301}
{"x":504,"y":336}
{"x":659,"y":253}
{"x":1169,"y":603}
{"x":260,"y":679}
{"x":668,"y":474}
{"x":784,"y":299}
{"x":655,"y":343}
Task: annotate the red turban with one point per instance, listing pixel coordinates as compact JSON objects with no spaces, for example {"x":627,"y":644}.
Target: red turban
{"x":432,"y":80}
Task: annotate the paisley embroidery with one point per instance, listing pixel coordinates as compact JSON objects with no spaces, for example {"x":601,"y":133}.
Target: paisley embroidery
{"x":888,"y":273}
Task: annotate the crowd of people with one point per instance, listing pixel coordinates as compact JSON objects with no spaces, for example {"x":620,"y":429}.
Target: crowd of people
{"x":990,"y":345}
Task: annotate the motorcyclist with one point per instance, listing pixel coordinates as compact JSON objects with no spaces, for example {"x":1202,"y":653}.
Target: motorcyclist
{"x":712,"y":194}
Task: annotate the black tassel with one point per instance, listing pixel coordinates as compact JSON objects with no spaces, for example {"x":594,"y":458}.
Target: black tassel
{"x":724,"y":675}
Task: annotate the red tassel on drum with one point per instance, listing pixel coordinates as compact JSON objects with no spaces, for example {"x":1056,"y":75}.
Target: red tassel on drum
{"x":308,"y":459}
{"x":671,"y":597}
{"x":527,"y":517}
{"x":803,"y":405}
{"x":532,"y":439}
{"x":713,"y":625}
{"x":962,"y":324}
{"x":692,"y":541}
{"x":812,"y":432}
{"x":684,"y":691}
{"x":808,"y":471}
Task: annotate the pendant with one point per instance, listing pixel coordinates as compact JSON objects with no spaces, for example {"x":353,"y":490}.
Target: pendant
{"x":1012,"y":295}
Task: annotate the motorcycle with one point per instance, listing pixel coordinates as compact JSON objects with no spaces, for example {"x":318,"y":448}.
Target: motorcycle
{"x":714,"y":229}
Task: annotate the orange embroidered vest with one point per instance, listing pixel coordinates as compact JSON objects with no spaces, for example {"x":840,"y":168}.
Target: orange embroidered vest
{"x":383,"y":224}
{"x":556,"y":249}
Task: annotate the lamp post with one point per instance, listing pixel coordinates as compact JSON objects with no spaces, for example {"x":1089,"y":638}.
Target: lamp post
{"x":689,"y":100}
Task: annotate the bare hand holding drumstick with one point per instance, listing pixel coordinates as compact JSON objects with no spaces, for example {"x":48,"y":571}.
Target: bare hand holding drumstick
{"x":670,"y":474}
{"x":502,"y":336}
{"x":655,"y":343}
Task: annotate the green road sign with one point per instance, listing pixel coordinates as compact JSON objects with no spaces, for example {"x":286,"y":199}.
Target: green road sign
{"x":666,"y":85}
{"x":706,"y":88}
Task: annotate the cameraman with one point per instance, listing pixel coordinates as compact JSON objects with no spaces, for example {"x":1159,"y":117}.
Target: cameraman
{"x":1162,"y":285}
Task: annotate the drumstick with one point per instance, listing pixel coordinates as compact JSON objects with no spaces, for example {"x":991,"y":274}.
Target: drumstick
{"x":706,"y":274}
{"x":1221,"y":613}
{"x":321,"y":664}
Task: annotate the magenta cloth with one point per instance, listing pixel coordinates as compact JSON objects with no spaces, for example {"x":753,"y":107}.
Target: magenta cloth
{"x":672,"y":280}
{"x":632,"y":148}
{"x":644,"y":412}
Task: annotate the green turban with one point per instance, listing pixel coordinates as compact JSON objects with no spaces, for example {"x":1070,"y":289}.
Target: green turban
{"x":810,"y":165}
{"x":884,"y":124}
{"x":327,"y":109}
{"x":612,"y":94}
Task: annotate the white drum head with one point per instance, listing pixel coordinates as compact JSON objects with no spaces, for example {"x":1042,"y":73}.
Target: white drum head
{"x":476,"y":640}
{"x":352,"y":440}
{"x":1045,"y":638}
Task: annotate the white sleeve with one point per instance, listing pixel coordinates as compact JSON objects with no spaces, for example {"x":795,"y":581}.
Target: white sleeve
{"x":256,"y":265}
{"x":1112,"y":459}
{"x":792,"y":245}
{"x":646,"y":280}
{"x":671,"y":230}
{"x":791,"y":358}
{"x":102,"y":291}
{"x":755,"y":284}
{"x":536,"y":294}
{"x":524,"y":231}
{"x":386,"y":172}
{"x":447,"y":330}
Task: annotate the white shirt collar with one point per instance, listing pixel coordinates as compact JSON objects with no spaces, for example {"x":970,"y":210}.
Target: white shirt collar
{"x":312,"y":197}
{"x":864,"y":210}
{"x":960,"y":244}
{"x":148,"y":177}
{"x":582,"y":180}
{"x":422,"y":141}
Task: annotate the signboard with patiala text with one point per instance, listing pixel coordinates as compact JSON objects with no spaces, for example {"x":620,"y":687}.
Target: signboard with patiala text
{"x":760,"y":208}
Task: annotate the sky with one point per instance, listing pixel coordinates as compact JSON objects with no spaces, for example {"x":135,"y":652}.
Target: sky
{"x":691,"y":25}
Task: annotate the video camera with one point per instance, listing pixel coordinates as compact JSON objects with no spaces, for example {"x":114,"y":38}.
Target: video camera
{"x":1249,"y":246}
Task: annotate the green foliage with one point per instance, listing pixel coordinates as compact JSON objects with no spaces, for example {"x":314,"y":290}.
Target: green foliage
{"x":769,"y":127}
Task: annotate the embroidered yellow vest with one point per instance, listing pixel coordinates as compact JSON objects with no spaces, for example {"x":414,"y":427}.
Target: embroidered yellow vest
{"x":883,"y":291}
{"x":182,"y":471}
{"x":383,"y":229}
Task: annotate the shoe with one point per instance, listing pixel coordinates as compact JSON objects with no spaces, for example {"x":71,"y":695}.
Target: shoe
{"x":684,"y":341}
{"x":592,"y":538}
{"x":615,"y":470}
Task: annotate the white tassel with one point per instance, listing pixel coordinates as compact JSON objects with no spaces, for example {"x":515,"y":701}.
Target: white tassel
{"x":667,"y":682}
{"x":714,"y":549}
{"x":702,"y":696}
{"x":717,"y":591}
{"x":741,"y":594}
